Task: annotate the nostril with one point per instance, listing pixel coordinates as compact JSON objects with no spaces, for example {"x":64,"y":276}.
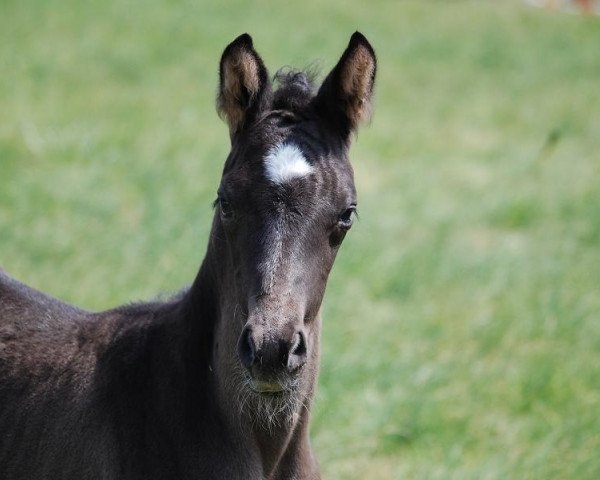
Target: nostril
{"x":297,"y":356}
{"x":247,"y":348}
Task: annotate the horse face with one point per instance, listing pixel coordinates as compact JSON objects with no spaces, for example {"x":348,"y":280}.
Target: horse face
{"x":285,"y":203}
{"x":284,"y":208}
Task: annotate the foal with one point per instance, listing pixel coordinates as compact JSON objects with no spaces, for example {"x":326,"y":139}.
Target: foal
{"x":216,"y":383}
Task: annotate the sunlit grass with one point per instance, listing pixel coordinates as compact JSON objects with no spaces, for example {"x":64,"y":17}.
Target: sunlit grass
{"x":462,"y":324}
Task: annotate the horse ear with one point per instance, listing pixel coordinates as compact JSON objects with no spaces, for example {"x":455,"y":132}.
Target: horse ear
{"x":244,"y":86}
{"x":345,"y":96}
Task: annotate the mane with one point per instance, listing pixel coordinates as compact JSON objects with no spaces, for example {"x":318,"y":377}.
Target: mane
{"x":295,"y":88}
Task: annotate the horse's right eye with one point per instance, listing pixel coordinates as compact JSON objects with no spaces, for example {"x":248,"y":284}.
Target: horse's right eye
{"x":225,"y":209}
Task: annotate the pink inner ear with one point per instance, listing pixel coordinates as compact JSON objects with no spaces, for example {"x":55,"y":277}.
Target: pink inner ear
{"x":240,"y":70}
{"x":357,"y":83}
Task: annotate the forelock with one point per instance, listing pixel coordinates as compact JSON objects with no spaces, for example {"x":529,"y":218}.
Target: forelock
{"x":295,"y":89}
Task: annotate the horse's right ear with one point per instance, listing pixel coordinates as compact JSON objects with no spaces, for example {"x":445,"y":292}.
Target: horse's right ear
{"x":244,"y":86}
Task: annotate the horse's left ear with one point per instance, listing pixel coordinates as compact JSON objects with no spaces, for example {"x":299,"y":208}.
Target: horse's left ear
{"x":345,"y":96}
{"x":244,"y":86}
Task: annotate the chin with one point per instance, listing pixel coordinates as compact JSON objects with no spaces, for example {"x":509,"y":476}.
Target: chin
{"x":271,"y":404}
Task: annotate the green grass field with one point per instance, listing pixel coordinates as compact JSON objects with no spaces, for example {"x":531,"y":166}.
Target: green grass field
{"x":462,"y":319}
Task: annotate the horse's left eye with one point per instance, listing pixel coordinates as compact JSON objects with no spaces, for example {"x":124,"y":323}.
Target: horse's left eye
{"x":347,"y":217}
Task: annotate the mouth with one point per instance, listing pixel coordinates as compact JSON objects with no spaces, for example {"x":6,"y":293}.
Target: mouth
{"x":270,"y":388}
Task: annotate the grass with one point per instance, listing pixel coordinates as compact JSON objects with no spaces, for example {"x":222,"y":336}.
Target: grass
{"x":462,"y":319}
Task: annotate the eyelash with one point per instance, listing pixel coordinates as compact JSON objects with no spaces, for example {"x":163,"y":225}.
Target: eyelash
{"x":346,"y":219}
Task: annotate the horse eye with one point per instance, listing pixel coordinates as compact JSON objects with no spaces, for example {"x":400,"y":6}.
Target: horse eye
{"x":347,"y":217}
{"x":225,"y":208}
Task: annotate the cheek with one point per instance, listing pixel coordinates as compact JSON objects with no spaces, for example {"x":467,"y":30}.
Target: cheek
{"x":315,"y":278}
{"x":236,"y":256}
{"x":336,"y":237}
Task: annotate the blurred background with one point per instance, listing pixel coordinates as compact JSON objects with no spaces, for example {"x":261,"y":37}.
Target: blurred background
{"x":462,"y":318}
